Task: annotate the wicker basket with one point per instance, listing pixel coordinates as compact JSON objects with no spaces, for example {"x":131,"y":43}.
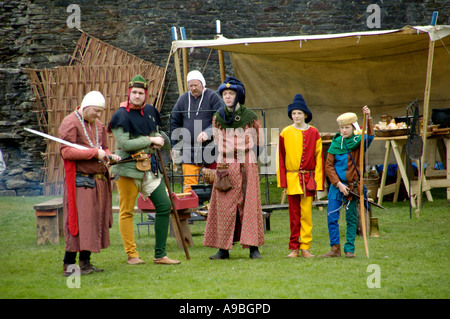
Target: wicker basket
{"x":390,"y":133}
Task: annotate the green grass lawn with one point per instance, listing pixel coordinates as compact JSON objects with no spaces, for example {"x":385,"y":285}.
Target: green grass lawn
{"x":411,"y":255}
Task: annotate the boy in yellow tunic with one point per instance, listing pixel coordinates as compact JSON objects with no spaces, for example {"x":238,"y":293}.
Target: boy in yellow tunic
{"x":300,"y":171}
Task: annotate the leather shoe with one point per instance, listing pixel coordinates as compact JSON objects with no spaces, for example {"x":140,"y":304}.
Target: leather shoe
{"x":307,"y":254}
{"x":335,"y":252}
{"x":349,"y":255}
{"x":293,"y":254}
{"x":135,"y":261}
{"x":166,"y":261}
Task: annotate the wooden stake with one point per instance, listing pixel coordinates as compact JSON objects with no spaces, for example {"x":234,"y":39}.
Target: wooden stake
{"x":177,"y":218}
{"x":362,"y":212}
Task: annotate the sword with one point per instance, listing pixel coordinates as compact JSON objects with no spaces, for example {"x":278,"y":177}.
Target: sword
{"x":367,"y":201}
{"x":60,"y":140}
{"x":56,"y":139}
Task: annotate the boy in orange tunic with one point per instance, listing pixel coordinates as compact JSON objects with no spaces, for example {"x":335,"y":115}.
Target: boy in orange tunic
{"x":300,"y":171}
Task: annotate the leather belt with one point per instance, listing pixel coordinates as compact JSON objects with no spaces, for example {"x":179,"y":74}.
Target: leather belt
{"x":303,"y":172}
{"x":95,"y":175}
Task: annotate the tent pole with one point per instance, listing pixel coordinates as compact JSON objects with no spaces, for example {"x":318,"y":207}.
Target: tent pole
{"x":222,"y":66}
{"x":178,"y":71}
{"x":426,"y":116}
{"x":185,"y":60}
{"x":220,"y":53}
{"x":185,"y":68}
{"x":176,"y":58}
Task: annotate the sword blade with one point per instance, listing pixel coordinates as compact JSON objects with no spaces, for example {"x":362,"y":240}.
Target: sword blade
{"x":56,"y":139}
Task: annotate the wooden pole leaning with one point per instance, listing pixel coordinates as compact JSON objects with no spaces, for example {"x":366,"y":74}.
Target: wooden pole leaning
{"x":426,"y":116}
{"x":362,"y":211}
{"x":174,"y":209}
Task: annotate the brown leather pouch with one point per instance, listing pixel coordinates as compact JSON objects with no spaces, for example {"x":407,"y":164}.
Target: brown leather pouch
{"x":142,"y":161}
{"x":222,"y":180}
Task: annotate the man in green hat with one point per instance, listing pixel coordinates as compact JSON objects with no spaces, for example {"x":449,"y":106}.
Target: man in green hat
{"x":135,"y":126}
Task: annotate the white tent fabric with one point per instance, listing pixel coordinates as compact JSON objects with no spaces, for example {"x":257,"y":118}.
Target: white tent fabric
{"x":230,"y":45}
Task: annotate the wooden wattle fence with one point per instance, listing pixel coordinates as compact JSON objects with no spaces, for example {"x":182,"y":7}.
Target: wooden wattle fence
{"x":95,"y":66}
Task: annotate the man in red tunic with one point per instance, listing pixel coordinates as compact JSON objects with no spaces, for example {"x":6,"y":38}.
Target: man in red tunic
{"x":87,"y":188}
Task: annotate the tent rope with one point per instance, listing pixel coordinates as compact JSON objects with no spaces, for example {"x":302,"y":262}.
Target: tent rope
{"x":206,"y":63}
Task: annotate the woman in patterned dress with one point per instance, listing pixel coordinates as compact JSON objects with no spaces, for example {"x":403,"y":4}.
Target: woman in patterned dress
{"x":235,"y":215}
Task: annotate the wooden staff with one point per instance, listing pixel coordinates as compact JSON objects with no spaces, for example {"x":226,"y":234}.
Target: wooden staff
{"x":362,"y":212}
{"x":177,"y":218}
{"x":425,"y":118}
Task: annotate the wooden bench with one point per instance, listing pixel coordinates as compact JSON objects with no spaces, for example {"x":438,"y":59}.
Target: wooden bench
{"x":268,"y":209}
{"x":49,"y":221}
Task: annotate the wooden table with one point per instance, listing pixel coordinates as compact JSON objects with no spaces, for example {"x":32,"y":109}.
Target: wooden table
{"x":397,"y":145}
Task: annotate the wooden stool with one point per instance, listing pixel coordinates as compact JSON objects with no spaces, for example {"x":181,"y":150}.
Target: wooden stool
{"x":184,"y":216}
{"x":49,"y":221}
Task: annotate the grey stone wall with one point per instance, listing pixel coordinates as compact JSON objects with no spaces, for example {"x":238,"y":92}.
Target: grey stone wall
{"x":35,"y":34}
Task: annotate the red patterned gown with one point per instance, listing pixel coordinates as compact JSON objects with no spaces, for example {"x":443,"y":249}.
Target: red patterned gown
{"x":236,"y":147}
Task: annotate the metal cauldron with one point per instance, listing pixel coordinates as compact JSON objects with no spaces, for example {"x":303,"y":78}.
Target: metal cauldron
{"x":441,"y":117}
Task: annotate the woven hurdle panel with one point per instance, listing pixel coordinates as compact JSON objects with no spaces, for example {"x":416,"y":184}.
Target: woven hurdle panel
{"x":60,"y":90}
{"x":92,"y":51}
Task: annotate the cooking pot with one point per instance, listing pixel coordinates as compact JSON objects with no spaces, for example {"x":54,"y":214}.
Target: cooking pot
{"x":441,"y":116}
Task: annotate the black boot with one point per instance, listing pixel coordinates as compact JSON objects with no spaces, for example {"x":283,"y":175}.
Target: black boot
{"x":221,"y":254}
{"x":85,"y":263}
{"x":87,"y":267}
{"x":254,"y":253}
{"x":67,"y":273}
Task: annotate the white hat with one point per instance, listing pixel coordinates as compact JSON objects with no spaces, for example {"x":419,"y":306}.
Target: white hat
{"x":196,"y":75}
{"x":93,"y":98}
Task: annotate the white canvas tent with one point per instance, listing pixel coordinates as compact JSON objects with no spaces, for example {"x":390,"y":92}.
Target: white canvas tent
{"x":337,"y":73}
